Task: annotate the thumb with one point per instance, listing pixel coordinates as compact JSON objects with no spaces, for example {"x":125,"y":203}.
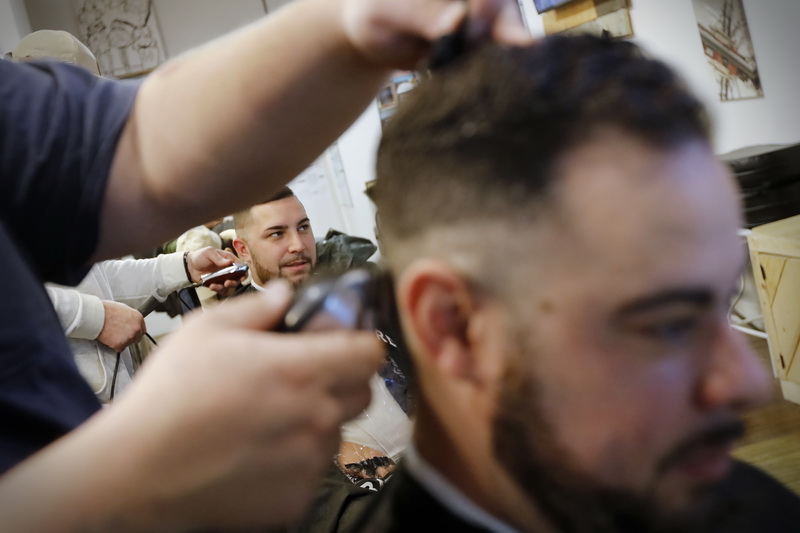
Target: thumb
{"x":261,"y":311}
{"x":220,"y":259}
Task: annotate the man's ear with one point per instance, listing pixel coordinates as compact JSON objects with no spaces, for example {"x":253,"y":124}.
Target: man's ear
{"x":439,"y":306}
{"x":241,"y":249}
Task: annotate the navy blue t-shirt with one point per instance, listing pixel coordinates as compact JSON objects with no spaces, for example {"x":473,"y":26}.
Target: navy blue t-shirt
{"x":59,"y":126}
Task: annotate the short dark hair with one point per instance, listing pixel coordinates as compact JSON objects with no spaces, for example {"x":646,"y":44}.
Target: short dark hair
{"x":482,"y":137}
{"x":241,"y":218}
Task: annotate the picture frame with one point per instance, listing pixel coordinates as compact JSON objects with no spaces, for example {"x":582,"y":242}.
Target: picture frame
{"x":123,"y":36}
{"x":543,"y":6}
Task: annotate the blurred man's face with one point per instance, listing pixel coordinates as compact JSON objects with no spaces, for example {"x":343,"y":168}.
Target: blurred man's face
{"x":277,"y":242}
{"x":623,"y":374}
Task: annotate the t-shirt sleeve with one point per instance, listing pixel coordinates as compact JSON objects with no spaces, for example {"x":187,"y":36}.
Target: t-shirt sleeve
{"x":60,"y":127}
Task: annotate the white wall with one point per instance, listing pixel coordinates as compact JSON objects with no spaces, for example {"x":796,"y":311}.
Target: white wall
{"x":14,"y":24}
{"x":668,"y":30}
{"x":185,"y":24}
{"x":52,"y":15}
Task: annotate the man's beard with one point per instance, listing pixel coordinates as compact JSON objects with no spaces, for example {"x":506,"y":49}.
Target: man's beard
{"x":265,"y":274}
{"x":569,"y":499}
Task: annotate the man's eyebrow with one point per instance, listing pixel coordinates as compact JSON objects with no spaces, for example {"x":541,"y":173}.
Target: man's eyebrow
{"x":303,"y":220}
{"x":275,"y":228}
{"x":694,"y":297}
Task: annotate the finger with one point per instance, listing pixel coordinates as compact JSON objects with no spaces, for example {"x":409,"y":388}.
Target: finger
{"x":499,"y":19}
{"x":509,"y":27}
{"x":342,"y":359}
{"x":220,"y":260}
{"x":340,"y":363}
{"x":435,"y":19}
{"x":216,"y":287}
{"x":426,"y":19}
{"x":262,"y":311}
{"x":227,"y":255}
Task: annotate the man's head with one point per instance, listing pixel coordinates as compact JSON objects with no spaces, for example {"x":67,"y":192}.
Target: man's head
{"x":275,"y":239}
{"x":565,"y":248}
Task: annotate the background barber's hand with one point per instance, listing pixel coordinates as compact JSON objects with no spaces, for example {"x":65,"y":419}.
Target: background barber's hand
{"x":122,"y":326}
{"x":209,"y":259}
{"x":246,"y":419}
{"x":399,"y":34}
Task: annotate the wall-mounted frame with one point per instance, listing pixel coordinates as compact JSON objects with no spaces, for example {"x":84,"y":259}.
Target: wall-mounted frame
{"x":547,"y":5}
{"x":122,"y":34}
{"x":399,"y":85}
{"x":728,"y":47}
{"x":611,"y":17}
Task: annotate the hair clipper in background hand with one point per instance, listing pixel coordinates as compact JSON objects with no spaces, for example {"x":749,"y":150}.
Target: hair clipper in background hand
{"x":235,"y":271}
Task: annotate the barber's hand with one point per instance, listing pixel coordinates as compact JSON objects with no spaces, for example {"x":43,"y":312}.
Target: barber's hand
{"x":400,"y":34}
{"x":246,"y":420}
{"x":122,"y":326}
{"x":209,"y":259}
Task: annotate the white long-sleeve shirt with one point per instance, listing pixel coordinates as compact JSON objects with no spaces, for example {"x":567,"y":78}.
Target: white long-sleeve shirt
{"x":80,"y":310}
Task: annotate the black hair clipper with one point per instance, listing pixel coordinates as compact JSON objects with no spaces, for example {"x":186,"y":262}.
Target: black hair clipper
{"x":360,"y":298}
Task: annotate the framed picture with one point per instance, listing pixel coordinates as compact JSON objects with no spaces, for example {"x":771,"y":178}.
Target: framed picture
{"x":725,"y":35}
{"x":547,"y":5}
{"x":123,"y":35}
{"x":401,"y":83}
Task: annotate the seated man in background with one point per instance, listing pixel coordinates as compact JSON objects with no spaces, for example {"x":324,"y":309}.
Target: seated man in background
{"x":276,"y":240}
{"x":102,"y":318}
{"x":564,"y":244}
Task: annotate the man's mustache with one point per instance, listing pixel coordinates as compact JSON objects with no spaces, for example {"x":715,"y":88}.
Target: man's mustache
{"x":304,"y":258}
{"x":720,"y":433}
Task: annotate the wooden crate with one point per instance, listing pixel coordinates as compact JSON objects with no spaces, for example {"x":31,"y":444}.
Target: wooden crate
{"x":775,"y":258}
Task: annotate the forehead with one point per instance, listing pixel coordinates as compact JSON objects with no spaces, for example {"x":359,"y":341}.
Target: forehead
{"x":284,"y":212}
{"x":636,"y":218}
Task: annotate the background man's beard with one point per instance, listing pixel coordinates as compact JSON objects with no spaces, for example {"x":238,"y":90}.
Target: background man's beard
{"x":574,"y":503}
{"x":264,"y":274}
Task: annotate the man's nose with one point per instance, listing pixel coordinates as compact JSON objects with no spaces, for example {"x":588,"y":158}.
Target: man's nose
{"x":735,"y":377}
{"x":296,"y":244}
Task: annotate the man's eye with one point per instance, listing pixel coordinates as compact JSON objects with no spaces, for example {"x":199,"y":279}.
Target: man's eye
{"x":304,"y":228}
{"x":674,"y":330}
{"x":275,"y":235}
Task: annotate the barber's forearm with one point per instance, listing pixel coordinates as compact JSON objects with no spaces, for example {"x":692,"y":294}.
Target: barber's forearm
{"x":222,"y":127}
{"x":80,"y":483}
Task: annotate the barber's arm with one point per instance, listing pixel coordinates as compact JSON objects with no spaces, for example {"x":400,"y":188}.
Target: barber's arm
{"x":133,"y":281}
{"x":226,"y":426}
{"x":230,"y":122}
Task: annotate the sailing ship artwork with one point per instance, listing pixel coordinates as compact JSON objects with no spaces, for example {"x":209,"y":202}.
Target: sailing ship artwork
{"x":728,"y":48}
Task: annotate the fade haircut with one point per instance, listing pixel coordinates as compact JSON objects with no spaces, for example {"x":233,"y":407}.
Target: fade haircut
{"x":480,"y":139}
{"x":243,"y":217}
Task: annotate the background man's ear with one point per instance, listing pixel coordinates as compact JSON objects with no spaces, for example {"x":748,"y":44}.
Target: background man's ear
{"x":438,"y":305}
{"x":240,"y":249}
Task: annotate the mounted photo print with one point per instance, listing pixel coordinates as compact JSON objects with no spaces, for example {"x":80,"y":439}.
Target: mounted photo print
{"x":400,"y":84}
{"x":728,"y":48}
{"x":122,"y":34}
{"x":547,"y":5}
